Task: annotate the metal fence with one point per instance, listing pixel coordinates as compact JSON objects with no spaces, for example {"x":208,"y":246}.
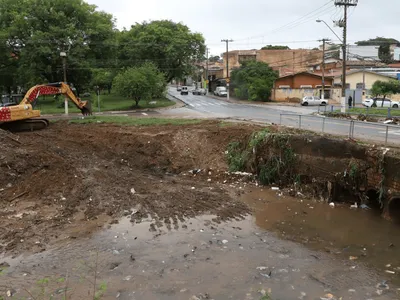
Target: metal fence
{"x":378,"y":132}
{"x":385,"y":112}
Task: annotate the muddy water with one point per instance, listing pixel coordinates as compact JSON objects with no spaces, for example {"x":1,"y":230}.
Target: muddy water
{"x":239,"y":259}
{"x":344,"y":232}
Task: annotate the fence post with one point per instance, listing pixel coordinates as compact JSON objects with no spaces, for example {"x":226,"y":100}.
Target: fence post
{"x":325,"y":108}
{"x":299,"y":121}
{"x":389,"y":115}
{"x":280,"y":119}
{"x":350,"y":128}
{"x":323,"y":125}
{"x":352,"y":131}
{"x":367,"y":110}
{"x":387,"y":133}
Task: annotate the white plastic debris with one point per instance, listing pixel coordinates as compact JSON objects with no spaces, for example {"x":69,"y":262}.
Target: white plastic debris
{"x":332,"y":204}
{"x":224,"y":241}
{"x":390,"y":272}
{"x":261,"y":268}
{"x":354,"y":206}
{"x":133,"y":192}
{"x":274,"y":188}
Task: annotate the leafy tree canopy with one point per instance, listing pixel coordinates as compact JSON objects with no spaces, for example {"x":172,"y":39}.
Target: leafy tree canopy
{"x":253,"y":80}
{"x":384,"y":88}
{"x":214,"y":58}
{"x":275,"y":47}
{"x":172,"y":47}
{"x":378,"y":41}
{"x":140,"y":83}
{"x":36,"y":31}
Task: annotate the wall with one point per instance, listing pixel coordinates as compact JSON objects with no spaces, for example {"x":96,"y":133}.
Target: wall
{"x":295,"y":95}
{"x":298,"y":80}
{"x":297,"y":60}
{"x":355,"y":78}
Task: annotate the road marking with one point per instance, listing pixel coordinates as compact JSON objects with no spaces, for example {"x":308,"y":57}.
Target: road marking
{"x":395,"y":132}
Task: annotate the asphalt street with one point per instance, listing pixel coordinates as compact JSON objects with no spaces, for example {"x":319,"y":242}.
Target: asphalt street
{"x":220,"y":108}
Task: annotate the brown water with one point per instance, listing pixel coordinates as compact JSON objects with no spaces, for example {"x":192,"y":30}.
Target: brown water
{"x":231,"y":260}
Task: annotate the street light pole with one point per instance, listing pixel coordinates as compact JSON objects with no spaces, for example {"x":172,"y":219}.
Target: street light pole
{"x":323,"y":67}
{"x":227,"y":64}
{"x":64,"y":58}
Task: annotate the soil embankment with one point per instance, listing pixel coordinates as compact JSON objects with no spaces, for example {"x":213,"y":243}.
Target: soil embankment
{"x":66,"y":182}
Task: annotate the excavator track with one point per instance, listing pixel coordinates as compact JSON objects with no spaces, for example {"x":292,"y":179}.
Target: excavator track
{"x":25,"y":125}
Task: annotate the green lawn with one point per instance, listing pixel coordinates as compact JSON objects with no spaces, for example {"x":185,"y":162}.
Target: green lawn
{"x":134,"y":121}
{"x":372,"y":111}
{"x":112,"y":102}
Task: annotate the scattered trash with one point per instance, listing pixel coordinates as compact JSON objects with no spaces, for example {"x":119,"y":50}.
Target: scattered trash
{"x":132,"y":258}
{"x":193,"y":188}
{"x":133,"y":192}
{"x":224,"y":241}
{"x":209,"y":180}
{"x":127,"y":278}
{"x":242,"y":173}
{"x":390,"y":272}
{"x":118,"y":295}
{"x":364,"y":206}
{"x":302,"y":295}
{"x":354,"y":206}
{"x":379,"y":292}
{"x":352,"y":290}
{"x":10,"y":293}
{"x":115,"y":252}
{"x":327,"y":297}
{"x":195,"y":171}
{"x":383,"y":285}
{"x":353,"y":257}
{"x":261,"y":268}
{"x":183,"y":290}
{"x":275,"y":188}
{"x":332,"y":204}
{"x":153,"y":102}
{"x":388,"y":265}
{"x":266,"y":275}
{"x":388,"y":121}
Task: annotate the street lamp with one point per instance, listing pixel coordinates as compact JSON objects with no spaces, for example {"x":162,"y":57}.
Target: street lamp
{"x":63,"y":55}
{"x":343,"y":64}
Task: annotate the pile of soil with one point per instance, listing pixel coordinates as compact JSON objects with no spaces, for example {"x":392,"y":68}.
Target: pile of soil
{"x":66,"y":181}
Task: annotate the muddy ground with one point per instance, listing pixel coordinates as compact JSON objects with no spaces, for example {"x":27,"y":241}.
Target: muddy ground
{"x":64,"y":182}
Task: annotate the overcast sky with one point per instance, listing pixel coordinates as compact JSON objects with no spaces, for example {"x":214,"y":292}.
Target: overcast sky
{"x":254,"y":23}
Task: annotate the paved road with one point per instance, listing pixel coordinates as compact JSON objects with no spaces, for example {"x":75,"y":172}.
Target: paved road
{"x":211,"y":107}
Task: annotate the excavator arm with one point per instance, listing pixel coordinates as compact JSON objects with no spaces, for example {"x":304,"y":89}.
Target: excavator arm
{"x":56,"y":89}
{"x":23,"y":117}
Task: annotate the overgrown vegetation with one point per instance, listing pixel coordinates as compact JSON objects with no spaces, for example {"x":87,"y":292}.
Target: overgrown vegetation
{"x":268,"y":155}
{"x":385,"y":88}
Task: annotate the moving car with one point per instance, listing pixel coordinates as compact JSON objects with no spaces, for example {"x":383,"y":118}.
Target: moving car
{"x":377,"y":102}
{"x":184,"y":90}
{"x":199,"y":92}
{"x":313,"y":100}
{"x":221,"y":91}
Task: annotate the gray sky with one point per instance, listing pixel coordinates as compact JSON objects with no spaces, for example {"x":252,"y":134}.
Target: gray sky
{"x":254,"y":23}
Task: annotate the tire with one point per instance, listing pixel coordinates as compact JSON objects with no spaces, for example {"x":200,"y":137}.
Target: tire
{"x":323,"y":104}
{"x":305,"y":104}
{"x":395,"y":106}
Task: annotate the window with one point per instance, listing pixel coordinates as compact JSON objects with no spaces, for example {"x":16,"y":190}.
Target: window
{"x":306,"y":86}
{"x":243,"y":58}
{"x":284,"y":86}
{"x":360,"y":86}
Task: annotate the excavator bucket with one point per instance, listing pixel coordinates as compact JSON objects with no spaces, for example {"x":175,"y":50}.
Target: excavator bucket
{"x":87,"y":109}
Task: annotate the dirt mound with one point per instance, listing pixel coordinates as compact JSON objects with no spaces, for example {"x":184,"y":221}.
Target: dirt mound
{"x":67,"y":180}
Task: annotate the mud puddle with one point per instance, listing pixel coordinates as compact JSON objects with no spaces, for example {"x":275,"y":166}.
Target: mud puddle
{"x":202,"y":260}
{"x":356,"y":235}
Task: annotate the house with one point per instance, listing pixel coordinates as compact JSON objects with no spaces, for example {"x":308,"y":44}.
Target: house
{"x":302,"y":80}
{"x":296,"y":86}
{"x":355,"y":79}
{"x":284,"y":60}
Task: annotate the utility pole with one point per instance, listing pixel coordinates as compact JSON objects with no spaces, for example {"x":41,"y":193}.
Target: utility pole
{"x":323,"y":66}
{"x":346,"y":4}
{"x":207,"y":82}
{"x":227,"y":64}
{"x":64,"y":58}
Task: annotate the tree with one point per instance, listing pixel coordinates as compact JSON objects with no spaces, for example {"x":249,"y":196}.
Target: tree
{"x":215,"y":58}
{"x":253,"y":80}
{"x":384,"y":53}
{"x":378,"y":41}
{"x":172,"y":47}
{"x":103,"y":79}
{"x":275,"y":47}
{"x":384,"y":88}
{"x":38,"y":30}
{"x":140,"y":83}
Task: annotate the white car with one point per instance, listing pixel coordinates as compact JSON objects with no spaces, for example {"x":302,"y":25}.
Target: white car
{"x":380,"y":102}
{"x":184,"y":90}
{"x":221,"y":91}
{"x":313,"y":100}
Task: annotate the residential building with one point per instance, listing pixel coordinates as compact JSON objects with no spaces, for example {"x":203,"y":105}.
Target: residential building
{"x":302,"y":80}
{"x":356,"y":79}
{"x":354,"y":52}
{"x":396,"y":54}
{"x":281,"y":60}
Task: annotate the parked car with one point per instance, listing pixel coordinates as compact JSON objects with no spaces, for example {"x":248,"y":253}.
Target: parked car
{"x":313,"y":100}
{"x":221,"y":91}
{"x":178,"y":88}
{"x":184,"y":90}
{"x":377,"y":102}
{"x":199,"y":92}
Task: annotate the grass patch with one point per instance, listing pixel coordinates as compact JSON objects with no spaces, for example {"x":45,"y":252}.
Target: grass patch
{"x":112,"y":102}
{"x":133,"y":121}
{"x":237,"y":158}
{"x":372,"y":111}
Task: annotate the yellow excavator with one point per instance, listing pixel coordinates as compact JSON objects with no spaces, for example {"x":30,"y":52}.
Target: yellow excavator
{"x":22,"y":117}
